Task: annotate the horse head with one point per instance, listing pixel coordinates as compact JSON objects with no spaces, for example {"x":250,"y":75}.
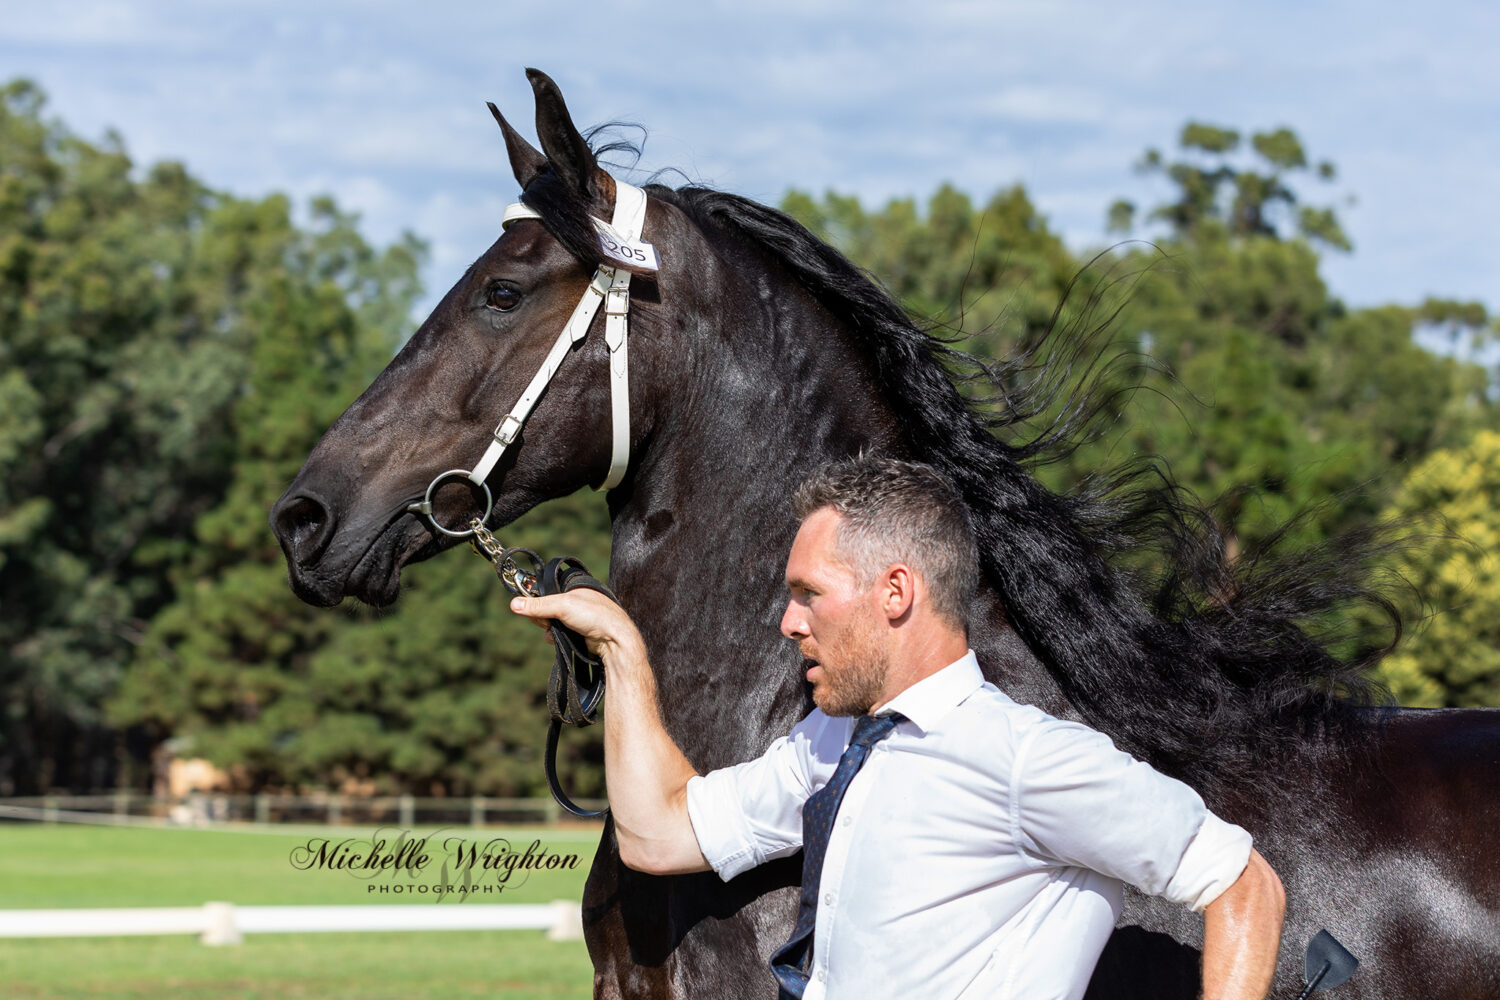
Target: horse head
{"x":348,"y":523}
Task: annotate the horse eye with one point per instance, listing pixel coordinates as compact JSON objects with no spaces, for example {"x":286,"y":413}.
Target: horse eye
{"x":502,"y":298}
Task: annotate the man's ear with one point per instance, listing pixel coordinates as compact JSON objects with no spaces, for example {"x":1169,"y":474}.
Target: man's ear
{"x":898,"y":591}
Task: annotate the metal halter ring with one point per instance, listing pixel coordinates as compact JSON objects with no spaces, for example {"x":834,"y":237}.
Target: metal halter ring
{"x":425,"y":507}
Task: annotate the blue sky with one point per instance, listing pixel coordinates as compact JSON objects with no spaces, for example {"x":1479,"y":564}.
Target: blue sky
{"x":383,"y":104}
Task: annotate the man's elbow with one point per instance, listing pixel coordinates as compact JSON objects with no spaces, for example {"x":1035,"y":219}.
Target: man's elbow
{"x":1280,"y":897}
{"x":1268,"y":885}
{"x":638,"y":856}
{"x":1255,"y":898}
{"x":659,"y":858}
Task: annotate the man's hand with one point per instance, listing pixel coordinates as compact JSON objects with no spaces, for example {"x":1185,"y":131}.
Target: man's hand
{"x":645,"y":773}
{"x":1241,"y":934}
{"x":604,"y":625}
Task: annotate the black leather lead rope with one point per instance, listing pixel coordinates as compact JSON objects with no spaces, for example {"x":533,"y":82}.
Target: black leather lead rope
{"x":575,"y":688}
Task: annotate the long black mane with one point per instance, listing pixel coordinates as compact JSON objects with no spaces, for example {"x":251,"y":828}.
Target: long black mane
{"x":1207,"y":667}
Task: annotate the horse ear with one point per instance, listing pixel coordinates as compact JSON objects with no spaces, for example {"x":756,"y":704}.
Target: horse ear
{"x":567,"y":153}
{"x":526,"y":161}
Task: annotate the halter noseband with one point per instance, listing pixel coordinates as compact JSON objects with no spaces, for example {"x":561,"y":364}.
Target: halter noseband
{"x":620,"y":240}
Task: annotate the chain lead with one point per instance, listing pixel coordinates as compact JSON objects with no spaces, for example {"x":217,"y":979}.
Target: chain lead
{"x":516,"y":579}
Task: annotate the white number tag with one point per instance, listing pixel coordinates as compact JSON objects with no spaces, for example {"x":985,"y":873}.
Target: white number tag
{"x":638,"y":255}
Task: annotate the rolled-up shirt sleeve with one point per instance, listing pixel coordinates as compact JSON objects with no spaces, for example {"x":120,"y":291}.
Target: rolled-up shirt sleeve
{"x":749,"y":813}
{"x":1078,"y":800}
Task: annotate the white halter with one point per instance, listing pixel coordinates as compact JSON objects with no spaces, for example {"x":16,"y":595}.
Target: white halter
{"x":620,"y":240}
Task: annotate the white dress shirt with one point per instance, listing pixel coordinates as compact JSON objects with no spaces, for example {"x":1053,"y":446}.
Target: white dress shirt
{"x":979,"y":852}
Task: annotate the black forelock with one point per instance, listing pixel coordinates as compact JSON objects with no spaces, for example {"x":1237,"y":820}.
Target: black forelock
{"x":567,"y":216}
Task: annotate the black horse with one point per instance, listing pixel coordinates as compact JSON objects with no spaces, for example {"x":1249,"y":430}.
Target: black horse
{"x":757,"y":354}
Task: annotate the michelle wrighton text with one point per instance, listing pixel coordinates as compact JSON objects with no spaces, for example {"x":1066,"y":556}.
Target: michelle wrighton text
{"x":440,"y":864}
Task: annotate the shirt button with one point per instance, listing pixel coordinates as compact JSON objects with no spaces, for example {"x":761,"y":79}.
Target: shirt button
{"x":846,"y":821}
{"x":822,"y":975}
{"x":828,"y":898}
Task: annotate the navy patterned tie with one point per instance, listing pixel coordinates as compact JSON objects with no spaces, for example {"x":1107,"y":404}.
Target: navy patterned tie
{"x":791,"y":963}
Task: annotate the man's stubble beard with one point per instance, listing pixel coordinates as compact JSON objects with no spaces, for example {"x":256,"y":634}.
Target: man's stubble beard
{"x":858,"y":680}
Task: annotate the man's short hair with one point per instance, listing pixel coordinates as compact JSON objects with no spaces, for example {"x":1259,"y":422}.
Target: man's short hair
{"x":895,"y":511}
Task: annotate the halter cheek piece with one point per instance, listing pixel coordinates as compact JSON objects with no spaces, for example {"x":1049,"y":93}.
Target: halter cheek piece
{"x":619,"y":240}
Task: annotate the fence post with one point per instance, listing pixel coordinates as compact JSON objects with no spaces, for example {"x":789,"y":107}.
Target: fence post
{"x":551,"y":811}
{"x":408,"y":808}
{"x":49,"y":808}
{"x":335,"y":809}
{"x":219,"y":927}
{"x":567,"y":921}
{"x":476,"y":811}
{"x":262,"y":808}
{"x":122,"y":802}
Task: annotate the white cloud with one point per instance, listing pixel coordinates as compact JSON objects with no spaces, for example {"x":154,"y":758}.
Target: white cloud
{"x":1046,"y":103}
{"x":383,"y":104}
{"x":108,"y":24}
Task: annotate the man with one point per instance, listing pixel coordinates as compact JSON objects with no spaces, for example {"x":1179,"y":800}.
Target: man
{"x":961,"y":844}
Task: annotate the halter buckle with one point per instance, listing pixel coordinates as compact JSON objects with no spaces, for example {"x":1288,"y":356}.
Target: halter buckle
{"x":617,"y":301}
{"x":507,"y":429}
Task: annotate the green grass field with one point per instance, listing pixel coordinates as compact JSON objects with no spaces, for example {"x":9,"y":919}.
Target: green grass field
{"x":72,"y":866}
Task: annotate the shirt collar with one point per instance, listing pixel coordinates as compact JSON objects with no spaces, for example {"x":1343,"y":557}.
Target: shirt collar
{"x":932,"y":697}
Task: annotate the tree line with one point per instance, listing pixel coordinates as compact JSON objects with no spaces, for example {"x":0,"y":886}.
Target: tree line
{"x":170,"y":353}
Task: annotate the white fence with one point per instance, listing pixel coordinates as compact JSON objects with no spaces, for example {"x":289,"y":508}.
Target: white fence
{"x":205,"y":808}
{"x":225,"y":923}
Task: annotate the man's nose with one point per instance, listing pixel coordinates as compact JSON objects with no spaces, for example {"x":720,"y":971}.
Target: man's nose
{"x":793,"y":622}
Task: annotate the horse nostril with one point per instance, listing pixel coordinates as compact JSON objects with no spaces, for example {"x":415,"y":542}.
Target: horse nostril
{"x":302,"y":525}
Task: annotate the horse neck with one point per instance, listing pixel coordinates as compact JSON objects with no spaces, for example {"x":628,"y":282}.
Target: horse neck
{"x":774,"y":390}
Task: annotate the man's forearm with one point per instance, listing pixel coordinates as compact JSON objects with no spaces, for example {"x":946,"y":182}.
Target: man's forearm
{"x":1241,"y":935}
{"x":644,"y":770}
